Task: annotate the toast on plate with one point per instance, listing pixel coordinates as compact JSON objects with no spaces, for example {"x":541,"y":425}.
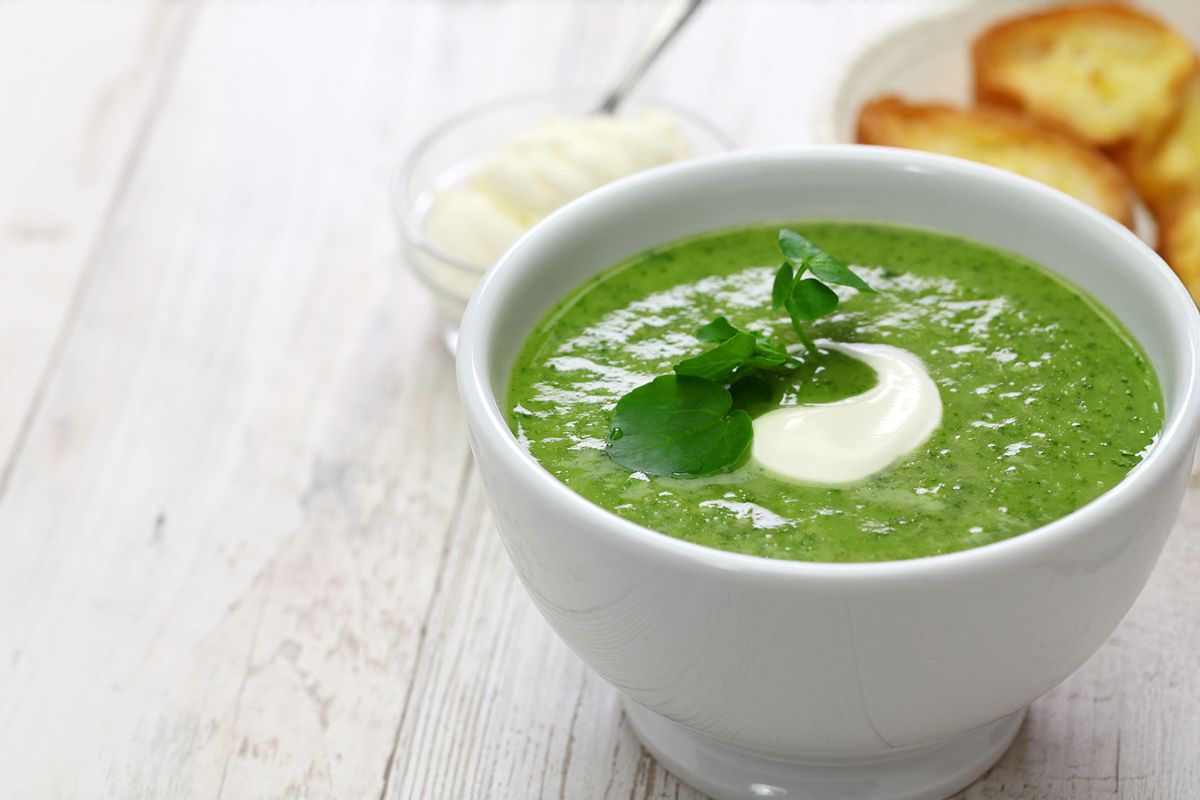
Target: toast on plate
{"x":1162,"y":165}
{"x":1002,"y":139}
{"x":1179,"y":238}
{"x":1105,"y":72}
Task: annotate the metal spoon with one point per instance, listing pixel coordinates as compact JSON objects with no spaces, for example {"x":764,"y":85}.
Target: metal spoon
{"x":661,"y":34}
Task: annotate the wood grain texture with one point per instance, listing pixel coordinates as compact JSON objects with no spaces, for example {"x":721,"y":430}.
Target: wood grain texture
{"x":243,"y":552}
{"x":222,"y":532}
{"x":81,"y":87}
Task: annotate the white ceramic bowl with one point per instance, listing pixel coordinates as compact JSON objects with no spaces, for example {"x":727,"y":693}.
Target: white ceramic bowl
{"x":751,"y":677}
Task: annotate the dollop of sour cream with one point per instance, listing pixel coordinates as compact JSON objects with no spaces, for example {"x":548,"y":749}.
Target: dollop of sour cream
{"x":541,"y":169}
{"x":844,"y":442}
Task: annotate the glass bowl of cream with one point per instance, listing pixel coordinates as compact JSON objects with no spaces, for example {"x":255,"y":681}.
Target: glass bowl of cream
{"x":477,"y":182}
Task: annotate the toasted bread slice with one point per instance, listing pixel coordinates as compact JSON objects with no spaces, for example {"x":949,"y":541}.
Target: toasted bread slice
{"x":1003,"y":139}
{"x":1162,"y":165}
{"x":1179,"y":238}
{"x":1104,"y":72}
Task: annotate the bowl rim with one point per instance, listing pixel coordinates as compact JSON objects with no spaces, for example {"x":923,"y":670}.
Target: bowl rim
{"x":485,"y":418}
{"x":409,"y":221}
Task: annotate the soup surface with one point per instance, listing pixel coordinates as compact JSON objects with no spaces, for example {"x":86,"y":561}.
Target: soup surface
{"x":1047,"y":401}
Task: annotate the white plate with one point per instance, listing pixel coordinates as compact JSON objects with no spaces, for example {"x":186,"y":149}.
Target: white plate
{"x":928,"y":59}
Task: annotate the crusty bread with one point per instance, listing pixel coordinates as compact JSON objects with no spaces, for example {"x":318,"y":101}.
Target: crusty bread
{"x":1179,"y":238}
{"x":1003,"y":139}
{"x":1163,"y":164}
{"x":1102,"y":71}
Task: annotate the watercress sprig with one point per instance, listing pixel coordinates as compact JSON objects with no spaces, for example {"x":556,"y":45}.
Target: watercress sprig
{"x":804,"y":298}
{"x":685,"y":424}
{"x":738,"y":354}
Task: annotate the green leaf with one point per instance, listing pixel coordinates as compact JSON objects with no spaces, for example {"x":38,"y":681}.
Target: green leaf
{"x":719,"y":363}
{"x":782,"y":286}
{"x":811,"y":299}
{"x":806,"y":255}
{"x":831,"y":270}
{"x":733,"y":360}
{"x":796,"y":248}
{"x":767,"y":352}
{"x":679,"y":425}
{"x":771,"y":355}
{"x":718,"y":330}
{"x":772,"y":362}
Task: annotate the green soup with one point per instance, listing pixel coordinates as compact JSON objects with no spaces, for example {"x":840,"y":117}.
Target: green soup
{"x":1047,"y":400}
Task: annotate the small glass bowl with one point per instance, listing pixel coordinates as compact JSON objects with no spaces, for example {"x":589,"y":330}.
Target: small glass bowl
{"x":452,"y":151}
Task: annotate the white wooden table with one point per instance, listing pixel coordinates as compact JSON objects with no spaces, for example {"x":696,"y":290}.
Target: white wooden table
{"x":243,"y":550}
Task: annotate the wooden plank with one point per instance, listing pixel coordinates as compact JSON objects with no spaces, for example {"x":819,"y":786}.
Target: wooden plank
{"x":222,"y":533}
{"x":81,"y":86}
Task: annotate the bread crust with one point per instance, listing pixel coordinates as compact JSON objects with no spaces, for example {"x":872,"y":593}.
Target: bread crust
{"x":1179,"y":237}
{"x":1074,"y":67}
{"x":1003,"y":139}
{"x":1166,"y":162}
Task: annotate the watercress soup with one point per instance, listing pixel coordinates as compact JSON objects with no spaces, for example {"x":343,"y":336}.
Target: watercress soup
{"x":834,"y":392}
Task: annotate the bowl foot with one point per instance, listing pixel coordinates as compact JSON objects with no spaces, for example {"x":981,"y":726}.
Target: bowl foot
{"x":932,"y":773}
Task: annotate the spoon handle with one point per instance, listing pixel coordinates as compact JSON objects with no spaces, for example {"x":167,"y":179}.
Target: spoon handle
{"x":664,"y":30}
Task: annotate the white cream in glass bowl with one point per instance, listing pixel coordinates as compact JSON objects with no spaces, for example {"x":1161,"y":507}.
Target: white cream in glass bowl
{"x":476,"y":183}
